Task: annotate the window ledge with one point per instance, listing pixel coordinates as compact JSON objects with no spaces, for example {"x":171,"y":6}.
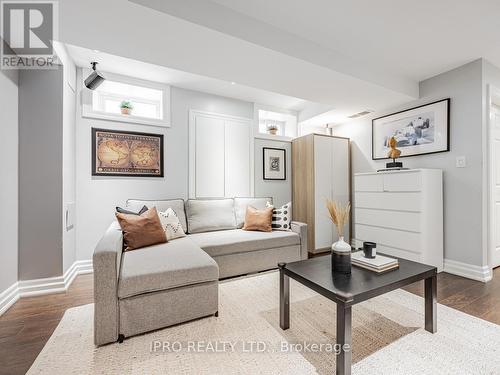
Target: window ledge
{"x":126,"y":118}
{"x":281,"y":138}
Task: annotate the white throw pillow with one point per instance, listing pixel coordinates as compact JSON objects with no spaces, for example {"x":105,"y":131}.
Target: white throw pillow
{"x":171,"y":224}
{"x":282,"y":216}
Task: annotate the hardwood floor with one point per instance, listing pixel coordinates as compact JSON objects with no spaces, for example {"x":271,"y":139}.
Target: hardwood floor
{"x":26,"y":326}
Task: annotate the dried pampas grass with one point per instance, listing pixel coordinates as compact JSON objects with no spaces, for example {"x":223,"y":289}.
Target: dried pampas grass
{"x":338,"y":214}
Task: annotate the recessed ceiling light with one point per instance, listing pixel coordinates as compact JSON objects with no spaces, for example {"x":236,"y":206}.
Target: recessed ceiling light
{"x":233,"y":83}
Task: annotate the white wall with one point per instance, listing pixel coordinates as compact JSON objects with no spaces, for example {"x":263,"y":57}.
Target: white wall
{"x":9,"y":128}
{"x":463,"y":216}
{"x":97,"y":196}
{"x":491,"y":76}
{"x":280,"y":191}
{"x":69,"y":154}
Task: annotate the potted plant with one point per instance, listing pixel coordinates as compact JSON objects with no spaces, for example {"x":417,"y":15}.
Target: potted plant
{"x":341,"y":250}
{"x":126,"y":107}
{"x":272,"y":129}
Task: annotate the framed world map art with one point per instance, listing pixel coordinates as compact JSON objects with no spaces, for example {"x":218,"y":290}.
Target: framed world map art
{"x":124,"y":153}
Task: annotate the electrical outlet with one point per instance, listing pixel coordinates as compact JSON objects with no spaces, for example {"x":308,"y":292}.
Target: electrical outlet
{"x":461,"y":162}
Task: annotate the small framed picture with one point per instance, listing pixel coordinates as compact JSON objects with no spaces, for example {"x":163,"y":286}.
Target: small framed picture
{"x":274,"y":163}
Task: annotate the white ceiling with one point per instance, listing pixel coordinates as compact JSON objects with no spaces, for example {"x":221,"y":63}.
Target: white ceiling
{"x":156,"y":73}
{"x":187,"y":36}
{"x":415,"y":39}
{"x":348,"y":56}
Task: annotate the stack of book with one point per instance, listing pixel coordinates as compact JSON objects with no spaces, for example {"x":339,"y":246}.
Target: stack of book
{"x":379,"y":264}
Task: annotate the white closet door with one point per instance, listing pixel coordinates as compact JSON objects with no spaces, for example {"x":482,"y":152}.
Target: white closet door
{"x":209,"y":157}
{"x":237,"y":159}
{"x":323,"y":177}
{"x":340,"y":177}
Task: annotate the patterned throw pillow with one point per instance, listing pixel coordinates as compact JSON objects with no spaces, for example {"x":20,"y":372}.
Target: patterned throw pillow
{"x":171,"y":224}
{"x":282,"y":216}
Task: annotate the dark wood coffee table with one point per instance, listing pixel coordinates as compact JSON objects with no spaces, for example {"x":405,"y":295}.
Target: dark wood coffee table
{"x":347,"y":291}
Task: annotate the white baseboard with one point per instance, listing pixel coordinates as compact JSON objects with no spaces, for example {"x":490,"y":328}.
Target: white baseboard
{"x":469,"y":271}
{"x":8,"y":297}
{"x":37,"y":287}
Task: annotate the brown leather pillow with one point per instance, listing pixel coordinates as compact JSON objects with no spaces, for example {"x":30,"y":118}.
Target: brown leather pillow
{"x":141,"y":230}
{"x":259,"y":220}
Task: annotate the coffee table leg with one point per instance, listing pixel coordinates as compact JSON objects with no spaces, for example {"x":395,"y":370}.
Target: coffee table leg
{"x":284,"y":298}
{"x":430,"y":304}
{"x":344,"y":339}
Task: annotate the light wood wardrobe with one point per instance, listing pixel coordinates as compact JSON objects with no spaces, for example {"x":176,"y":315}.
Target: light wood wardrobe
{"x":321,"y":169}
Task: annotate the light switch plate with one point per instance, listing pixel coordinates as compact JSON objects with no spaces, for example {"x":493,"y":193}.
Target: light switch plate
{"x":461,"y":162}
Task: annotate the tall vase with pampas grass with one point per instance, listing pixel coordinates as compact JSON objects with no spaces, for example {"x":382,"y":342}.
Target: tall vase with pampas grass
{"x":341,"y":250}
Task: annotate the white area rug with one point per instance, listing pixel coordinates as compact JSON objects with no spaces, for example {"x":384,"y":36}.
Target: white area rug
{"x":388,"y":338}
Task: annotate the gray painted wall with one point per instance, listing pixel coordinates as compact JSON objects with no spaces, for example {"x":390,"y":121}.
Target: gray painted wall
{"x":280,"y":191}
{"x":463,"y":219}
{"x":9,"y":180}
{"x":98,"y":196}
{"x":40,"y":173}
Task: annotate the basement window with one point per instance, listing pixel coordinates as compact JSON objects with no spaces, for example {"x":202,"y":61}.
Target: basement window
{"x":274,"y":123}
{"x":127,"y":99}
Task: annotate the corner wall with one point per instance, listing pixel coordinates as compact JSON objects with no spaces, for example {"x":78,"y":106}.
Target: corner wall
{"x":9,"y":128}
{"x":40,"y":173}
{"x":463,"y":187}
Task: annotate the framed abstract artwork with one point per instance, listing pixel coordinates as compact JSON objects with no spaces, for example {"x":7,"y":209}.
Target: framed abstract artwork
{"x":420,"y":130}
{"x":124,"y":153}
{"x":274,"y":163}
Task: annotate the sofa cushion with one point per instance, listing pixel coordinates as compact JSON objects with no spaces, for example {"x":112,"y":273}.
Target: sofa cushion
{"x":282,"y":216}
{"x":210,"y":215}
{"x":241,"y":204}
{"x":161,"y":205}
{"x":259,"y":220}
{"x":171,"y":224}
{"x":124,"y":211}
{"x":141,"y":230}
{"x":241,"y":241}
{"x":165,"y":266}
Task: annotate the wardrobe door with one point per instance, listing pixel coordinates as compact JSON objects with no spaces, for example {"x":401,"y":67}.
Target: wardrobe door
{"x":323,"y":177}
{"x":209,"y":137}
{"x":237,"y":159}
{"x":341,"y":178}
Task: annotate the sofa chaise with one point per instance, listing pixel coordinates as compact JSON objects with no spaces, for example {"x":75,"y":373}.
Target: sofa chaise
{"x":162,"y":285}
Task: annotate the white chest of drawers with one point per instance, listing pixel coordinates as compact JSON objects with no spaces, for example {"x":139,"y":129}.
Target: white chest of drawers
{"x":402,"y":211}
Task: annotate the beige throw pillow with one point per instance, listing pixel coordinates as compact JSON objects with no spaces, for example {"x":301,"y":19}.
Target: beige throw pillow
{"x":171,"y":224}
{"x":141,"y":230}
{"x":258,"y":220}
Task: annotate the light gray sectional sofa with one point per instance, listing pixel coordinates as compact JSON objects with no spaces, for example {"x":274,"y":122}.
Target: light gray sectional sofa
{"x":161,"y":285}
